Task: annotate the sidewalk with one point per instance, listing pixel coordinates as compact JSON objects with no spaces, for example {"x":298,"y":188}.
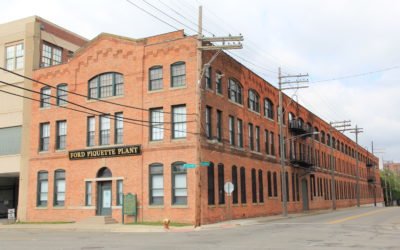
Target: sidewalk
{"x":145,"y":228}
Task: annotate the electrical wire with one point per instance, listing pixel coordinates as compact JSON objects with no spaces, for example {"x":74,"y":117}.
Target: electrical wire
{"x":159,"y":10}
{"x":76,"y":104}
{"x":85,"y":112}
{"x":86,"y":96}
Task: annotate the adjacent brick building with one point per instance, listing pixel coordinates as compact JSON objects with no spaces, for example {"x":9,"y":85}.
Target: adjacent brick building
{"x":154,"y":117}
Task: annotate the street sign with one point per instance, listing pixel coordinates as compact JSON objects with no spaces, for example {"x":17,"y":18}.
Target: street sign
{"x":11,"y":214}
{"x":229,"y":187}
{"x":129,"y":206}
{"x":189,"y":165}
{"x":205,"y":163}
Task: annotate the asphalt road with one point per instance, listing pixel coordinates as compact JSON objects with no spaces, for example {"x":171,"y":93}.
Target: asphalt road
{"x":363,"y":228}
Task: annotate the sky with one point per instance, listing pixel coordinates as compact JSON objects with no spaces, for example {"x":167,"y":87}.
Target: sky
{"x":327,"y":39}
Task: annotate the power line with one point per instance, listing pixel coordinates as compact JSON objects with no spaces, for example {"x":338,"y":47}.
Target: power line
{"x":357,"y":75}
{"x":85,"y":96}
{"x":172,"y":9}
{"x":73,"y":103}
{"x":85,"y":112}
{"x":176,"y":20}
{"x":159,"y":19}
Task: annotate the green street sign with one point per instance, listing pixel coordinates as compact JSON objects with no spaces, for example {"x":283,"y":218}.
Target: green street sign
{"x":189,"y":165}
{"x":205,"y":163}
{"x":129,"y":206}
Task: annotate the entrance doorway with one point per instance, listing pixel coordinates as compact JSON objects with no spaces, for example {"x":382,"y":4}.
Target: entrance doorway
{"x":104,"y":198}
{"x":104,"y":193}
{"x":304,"y":189}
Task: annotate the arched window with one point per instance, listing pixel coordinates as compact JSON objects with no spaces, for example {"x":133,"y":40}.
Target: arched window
{"x":235,"y":185}
{"x":235,"y":91}
{"x":268,"y":108}
{"x":342,"y":146}
{"x":301,"y":122}
{"x":210,"y":181}
{"x":42,"y":188}
{"x":156,"y":77}
{"x":59,"y":187}
{"x":328,"y":140}
{"x":253,"y":101}
{"x":316,"y":135}
{"x":221,"y":182}
{"x":104,"y":172}
{"x":242,"y":185}
{"x":62,"y":94}
{"x":333,"y":142}
{"x":322,"y":136}
{"x":106,"y":85}
{"x":178,"y":74}
{"x":290,"y":117}
{"x":179,"y":184}
{"x":218,"y":81}
{"x":45,"y":93}
{"x":156,"y":184}
{"x":308,"y":127}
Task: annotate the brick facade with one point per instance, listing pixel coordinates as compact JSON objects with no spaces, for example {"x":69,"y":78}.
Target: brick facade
{"x":133,"y":58}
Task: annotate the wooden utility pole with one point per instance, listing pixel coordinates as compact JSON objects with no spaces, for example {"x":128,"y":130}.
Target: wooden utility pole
{"x":206,"y":43}
{"x":281,"y":137}
{"x":336,"y":125}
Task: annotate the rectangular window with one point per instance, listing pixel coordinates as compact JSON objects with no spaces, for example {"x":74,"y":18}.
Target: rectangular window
{"x":218,"y":82}
{"x":254,"y":185}
{"x":42,"y":188}
{"x":91,"y":128}
{"x":179,"y":121}
{"x":156,"y":124}
{"x":266,"y":141}
{"x":243,"y":185}
{"x":104,"y":130}
{"x":210,"y":183}
{"x":44,"y":136}
{"x":269,"y":179}
{"x":88,"y":193}
{"x":155,"y":78}
{"x":260,"y":186}
{"x":240,"y":133}
{"x":15,"y":56}
{"x":275,"y":182}
{"x":179,"y":184}
{"x":272,"y":141}
{"x":51,"y":55}
{"x":251,"y":137}
{"x":156,"y":184}
{"x":178,"y":74}
{"x":231,"y":130}
{"x":120,"y":192}
{"x":61,"y":135}
{"x":208,"y":75}
{"x":221,"y":182}
{"x":10,"y":140}
{"x":235,"y":184}
{"x":258,"y":147}
{"x":219,"y":125}
{"x":59,"y":188}
{"x":62,"y":94}
{"x":45,"y":93}
{"x":119,"y":128}
{"x":208,"y":122}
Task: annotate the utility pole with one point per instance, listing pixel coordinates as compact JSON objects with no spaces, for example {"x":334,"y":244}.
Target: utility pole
{"x":356,"y":131}
{"x":336,"y":125}
{"x":299,"y":79}
{"x":206,"y":43}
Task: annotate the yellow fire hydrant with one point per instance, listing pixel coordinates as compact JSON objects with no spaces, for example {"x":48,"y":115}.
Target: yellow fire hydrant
{"x":166,"y":222}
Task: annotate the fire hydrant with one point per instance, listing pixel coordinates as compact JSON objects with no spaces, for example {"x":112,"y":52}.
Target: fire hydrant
{"x":166,"y":223}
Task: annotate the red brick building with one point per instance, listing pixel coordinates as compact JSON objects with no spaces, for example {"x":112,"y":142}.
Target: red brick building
{"x":75,"y":170}
{"x":392,"y":166}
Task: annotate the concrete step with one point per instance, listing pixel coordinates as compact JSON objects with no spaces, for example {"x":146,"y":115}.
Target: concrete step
{"x":98,"y":220}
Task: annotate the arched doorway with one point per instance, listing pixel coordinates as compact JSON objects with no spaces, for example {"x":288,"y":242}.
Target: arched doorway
{"x":104,"y":192}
